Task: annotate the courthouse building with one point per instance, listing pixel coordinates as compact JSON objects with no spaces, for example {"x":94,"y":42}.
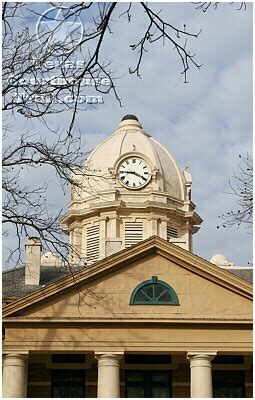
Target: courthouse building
{"x":136,"y":313}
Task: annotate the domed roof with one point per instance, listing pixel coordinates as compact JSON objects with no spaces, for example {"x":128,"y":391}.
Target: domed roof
{"x":220,"y":260}
{"x":130,"y":138}
{"x":50,"y":258}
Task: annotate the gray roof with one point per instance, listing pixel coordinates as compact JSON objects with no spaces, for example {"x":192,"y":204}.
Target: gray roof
{"x":13,"y":281}
{"x":245,"y":273}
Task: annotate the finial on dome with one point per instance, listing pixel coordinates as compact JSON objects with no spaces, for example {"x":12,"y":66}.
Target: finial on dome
{"x":129,"y":116}
{"x":130,"y":121}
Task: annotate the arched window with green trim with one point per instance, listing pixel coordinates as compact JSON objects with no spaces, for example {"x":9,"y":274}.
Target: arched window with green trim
{"x":154,"y":292}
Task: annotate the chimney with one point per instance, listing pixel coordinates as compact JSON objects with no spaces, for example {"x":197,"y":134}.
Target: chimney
{"x":33,"y":249}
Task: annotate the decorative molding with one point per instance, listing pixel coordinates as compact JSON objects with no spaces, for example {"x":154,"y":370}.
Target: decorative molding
{"x":130,"y":320}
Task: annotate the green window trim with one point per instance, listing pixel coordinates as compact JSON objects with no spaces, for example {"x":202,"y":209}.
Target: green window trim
{"x":154,"y":292}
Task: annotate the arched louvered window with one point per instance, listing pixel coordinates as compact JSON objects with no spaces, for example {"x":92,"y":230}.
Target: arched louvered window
{"x":154,"y":292}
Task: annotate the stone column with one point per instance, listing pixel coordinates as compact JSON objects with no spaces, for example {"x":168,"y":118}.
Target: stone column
{"x":108,"y":374}
{"x":163,"y":228}
{"x":102,"y":230}
{"x":77,"y":237}
{"x":201,"y":373}
{"x":154,"y":226}
{"x":15,"y":375}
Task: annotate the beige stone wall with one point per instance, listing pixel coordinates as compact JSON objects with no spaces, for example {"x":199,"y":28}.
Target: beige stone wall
{"x":109,"y":295}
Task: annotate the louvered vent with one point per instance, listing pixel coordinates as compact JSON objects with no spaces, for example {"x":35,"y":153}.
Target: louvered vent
{"x":171,"y":232}
{"x":92,"y":243}
{"x":133,"y":233}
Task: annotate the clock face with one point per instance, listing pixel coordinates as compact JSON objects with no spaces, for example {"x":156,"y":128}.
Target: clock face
{"x":133,"y":172}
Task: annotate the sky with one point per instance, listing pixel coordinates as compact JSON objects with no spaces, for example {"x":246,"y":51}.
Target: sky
{"x":204,"y":124}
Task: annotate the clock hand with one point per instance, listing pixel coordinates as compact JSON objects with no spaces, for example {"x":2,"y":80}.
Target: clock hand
{"x":135,"y":173}
{"x":127,"y":172}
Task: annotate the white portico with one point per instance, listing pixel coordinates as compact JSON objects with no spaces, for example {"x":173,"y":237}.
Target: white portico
{"x":192,"y":338}
{"x":133,"y":189}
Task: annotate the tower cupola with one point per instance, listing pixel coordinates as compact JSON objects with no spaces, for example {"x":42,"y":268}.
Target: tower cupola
{"x":131,"y":189}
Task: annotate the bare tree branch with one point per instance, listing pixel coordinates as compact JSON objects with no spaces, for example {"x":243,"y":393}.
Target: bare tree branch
{"x":241,"y":187}
{"x":204,"y":6}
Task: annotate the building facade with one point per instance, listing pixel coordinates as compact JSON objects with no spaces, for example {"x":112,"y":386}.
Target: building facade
{"x":135,"y":313}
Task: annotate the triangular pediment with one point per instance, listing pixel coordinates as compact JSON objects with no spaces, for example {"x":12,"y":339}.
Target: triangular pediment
{"x":102,"y":291}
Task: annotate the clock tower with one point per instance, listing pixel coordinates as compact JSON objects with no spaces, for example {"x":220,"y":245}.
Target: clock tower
{"x":131,"y":189}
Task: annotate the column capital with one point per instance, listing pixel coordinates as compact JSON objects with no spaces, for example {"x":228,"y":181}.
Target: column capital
{"x":109,"y":352}
{"x":11,"y":352}
{"x":108,"y":357}
{"x":201,"y":356}
{"x":12,"y":359}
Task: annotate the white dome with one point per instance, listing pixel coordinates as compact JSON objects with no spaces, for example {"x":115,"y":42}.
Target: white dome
{"x":131,"y":139}
{"x":220,"y":260}
{"x":50,"y":258}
